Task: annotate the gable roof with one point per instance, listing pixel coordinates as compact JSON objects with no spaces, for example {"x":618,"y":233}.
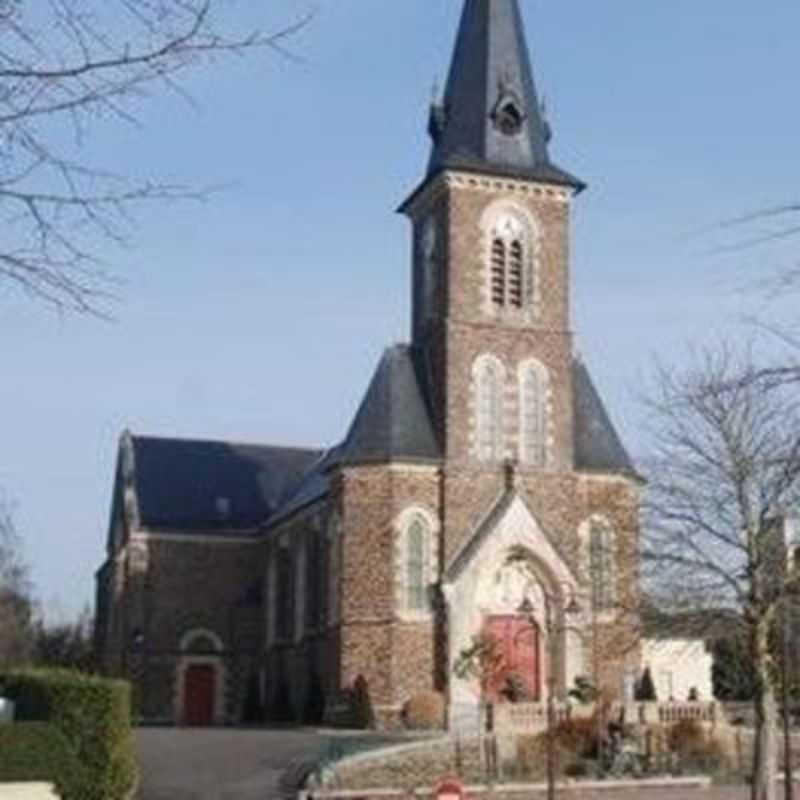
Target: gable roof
{"x":598,"y":446}
{"x":188,"y":485}
{"x":393,"y":422}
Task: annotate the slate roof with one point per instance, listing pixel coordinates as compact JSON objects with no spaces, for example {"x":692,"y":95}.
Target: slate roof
{"x":491,"y":62}
{"x":179,"y":483}
{"x":313,"y":485}
{"x":597,"y":443}
{"x":393,"y":422}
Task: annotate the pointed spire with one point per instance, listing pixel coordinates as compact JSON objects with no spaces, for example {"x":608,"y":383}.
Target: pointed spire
{"x":491,"y":118}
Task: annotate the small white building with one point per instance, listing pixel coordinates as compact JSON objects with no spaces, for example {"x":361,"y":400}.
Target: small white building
{"x":679,"y":666}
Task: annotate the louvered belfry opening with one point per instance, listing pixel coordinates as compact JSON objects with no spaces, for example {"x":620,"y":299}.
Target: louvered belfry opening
{"x":508,"y":274}
{"x":515,"y":275}
{"x":499,"y":272}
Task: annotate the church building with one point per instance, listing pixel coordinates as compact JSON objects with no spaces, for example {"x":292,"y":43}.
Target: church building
{"x":481,"y":490}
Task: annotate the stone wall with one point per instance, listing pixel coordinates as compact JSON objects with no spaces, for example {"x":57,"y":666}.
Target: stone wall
{"x":395,"y":656}
{"x":179,"y":584}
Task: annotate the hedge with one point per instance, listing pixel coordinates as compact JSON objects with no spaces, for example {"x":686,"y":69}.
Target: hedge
{"x":39,"y":752}
{"x":93,"y":714}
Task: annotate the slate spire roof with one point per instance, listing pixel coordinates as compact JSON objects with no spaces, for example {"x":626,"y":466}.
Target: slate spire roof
{"x":491,"y":118}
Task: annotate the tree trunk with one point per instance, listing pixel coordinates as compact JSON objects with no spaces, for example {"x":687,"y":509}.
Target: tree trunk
{"x":766,"y":734}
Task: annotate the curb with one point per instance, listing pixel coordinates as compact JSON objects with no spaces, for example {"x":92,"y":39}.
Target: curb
{"x":699,"y":782}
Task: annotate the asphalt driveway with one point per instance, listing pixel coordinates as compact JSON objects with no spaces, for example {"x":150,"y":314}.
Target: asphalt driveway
{"x":219,"y":764}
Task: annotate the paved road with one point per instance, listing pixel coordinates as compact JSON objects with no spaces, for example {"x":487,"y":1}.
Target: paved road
{"x":233,"y":764}
{"x":223,"y":764}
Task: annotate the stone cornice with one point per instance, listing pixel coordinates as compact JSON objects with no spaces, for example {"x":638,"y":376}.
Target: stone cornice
{"x":426,"y":194}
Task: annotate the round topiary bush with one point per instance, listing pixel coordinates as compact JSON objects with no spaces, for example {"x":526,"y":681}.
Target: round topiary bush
{"x":424,"y":711}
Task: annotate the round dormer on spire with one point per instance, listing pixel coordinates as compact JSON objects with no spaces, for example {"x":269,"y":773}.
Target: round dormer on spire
{"x":507,"y":115}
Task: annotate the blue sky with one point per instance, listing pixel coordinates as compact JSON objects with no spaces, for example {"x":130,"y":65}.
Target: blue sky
{"x":260,"y":314}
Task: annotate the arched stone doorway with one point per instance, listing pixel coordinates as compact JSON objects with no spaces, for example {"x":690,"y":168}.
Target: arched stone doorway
{"x":200,"y":680}
{"x":485,"y":586}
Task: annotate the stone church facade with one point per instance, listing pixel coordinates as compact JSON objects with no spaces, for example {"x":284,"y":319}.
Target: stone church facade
{"x":242,"y":579}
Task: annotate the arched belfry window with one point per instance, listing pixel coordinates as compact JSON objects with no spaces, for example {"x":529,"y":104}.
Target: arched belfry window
{"x":512,"y":260}
{"x":599,"y":544}
{"x":489,"y":391}
{"x":534,"y":412}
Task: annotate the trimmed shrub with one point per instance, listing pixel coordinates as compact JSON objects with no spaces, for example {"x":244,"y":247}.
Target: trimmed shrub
{"x":578,"y":736}
{"x":39,"y":752}
{"x":94,"y":716}
{"x":531,"y":761}
{"x":424,"y":712}
{"x":686,"y":736}
{"x":695,"y":747}
{"x":363,"y":713}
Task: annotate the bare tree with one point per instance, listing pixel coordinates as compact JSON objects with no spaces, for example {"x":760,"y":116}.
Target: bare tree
{"x":65,"y":644}
{"x":16,"y":605}
{"x":64,"y":64}
{"x":726,"y":469}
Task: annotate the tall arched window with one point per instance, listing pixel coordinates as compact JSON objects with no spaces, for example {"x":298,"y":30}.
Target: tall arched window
{"x":299,"y":590}
{"x":284,"y":619}
{"x":602,"y":572}
{"x":533,"y":407}
{"x":314,"y":580}
{"x":489,"y":388}
{"x":417,"y":567}
{"x":415,"y":563}
{"x":334,"y":564}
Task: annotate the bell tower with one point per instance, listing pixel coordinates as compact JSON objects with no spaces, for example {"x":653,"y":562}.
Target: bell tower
{"x":491,"y":289}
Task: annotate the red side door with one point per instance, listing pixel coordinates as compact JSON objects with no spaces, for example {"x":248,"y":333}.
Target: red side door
{"x":518,"y":647}
{"x":199,"y":695}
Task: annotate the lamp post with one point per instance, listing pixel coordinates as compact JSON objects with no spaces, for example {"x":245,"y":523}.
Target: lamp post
{"x":553,"y":606}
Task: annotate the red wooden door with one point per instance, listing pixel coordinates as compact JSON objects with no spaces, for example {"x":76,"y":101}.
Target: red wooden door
{"x":199,"y":695}
{"x":519,"y":664}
